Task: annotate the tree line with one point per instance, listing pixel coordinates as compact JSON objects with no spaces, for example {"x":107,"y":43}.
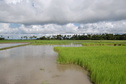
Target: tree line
{"x":1,"y":37}
{"x":77,"y":37}
{"x":22,"y":38}
{"x":85,"y":37}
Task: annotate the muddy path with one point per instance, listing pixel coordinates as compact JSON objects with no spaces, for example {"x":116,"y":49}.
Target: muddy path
{"x":37,"y":65}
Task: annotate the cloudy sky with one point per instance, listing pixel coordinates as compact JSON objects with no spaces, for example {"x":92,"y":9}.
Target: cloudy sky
{"x":48,"y":17}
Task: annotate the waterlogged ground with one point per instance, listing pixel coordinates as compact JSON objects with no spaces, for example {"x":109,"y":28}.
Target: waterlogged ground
{"x":10,"y":44}
{"x":37,"y":65}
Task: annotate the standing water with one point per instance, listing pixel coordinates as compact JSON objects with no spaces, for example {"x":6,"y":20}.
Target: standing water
{"x":3,"y":45}
{"x":37,"y":65}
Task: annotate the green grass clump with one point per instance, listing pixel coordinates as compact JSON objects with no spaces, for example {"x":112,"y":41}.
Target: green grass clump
{"x":104,"y":44}
{"x":106,"y":64}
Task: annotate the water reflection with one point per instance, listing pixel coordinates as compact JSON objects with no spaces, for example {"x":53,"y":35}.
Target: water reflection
{"x":3,"y":45}
{"x":37,"y":65}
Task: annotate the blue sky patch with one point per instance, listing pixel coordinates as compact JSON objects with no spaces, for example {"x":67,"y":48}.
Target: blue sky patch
{"x":13,"y":25}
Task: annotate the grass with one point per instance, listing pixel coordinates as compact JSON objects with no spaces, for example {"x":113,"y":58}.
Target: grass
{"x":43,"y":42}
{"x":104,"y":44}
{"x":16,"y":41}
{"x":61,"y":42}
{"x":106,"y":64}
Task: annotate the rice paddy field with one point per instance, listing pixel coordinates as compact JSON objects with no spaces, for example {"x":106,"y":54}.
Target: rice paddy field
{"x":105,"y":60}
{"x":104,"y":44}
{"x":106,"y":64}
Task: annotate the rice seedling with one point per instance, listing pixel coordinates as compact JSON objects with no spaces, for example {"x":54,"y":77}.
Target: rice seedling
{"x":106,"y":64}
{"x":104,"y":44}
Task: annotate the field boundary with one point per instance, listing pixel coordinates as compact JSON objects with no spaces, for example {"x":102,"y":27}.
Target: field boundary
{"x":14,"y":46}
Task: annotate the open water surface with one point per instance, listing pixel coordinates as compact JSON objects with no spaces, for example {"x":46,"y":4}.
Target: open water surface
{"x":2,"y":45}
{"x":37,"y":65}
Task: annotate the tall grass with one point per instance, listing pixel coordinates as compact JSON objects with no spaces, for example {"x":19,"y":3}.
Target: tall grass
{"x":106,"y":64}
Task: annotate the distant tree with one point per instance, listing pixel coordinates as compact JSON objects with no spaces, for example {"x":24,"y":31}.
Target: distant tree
{"x":48,"y":37}
{"x":8,"y":37}
{"x":66,"y":37}
{"x":42,"y":38}
{"x":21,"y":37}
{"x":26,"y":37}
{"x":34,"y":37}
{"x":59,"y":37}
{"x":31,"y":37}
{"x":53,"y":37}
{"x":2,"y":38}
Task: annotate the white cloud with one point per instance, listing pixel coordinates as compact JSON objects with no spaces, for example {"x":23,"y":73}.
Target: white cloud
{"x":115,"y":27}
{"x":39,"y":17}
{"x":61,"y":11}
{"x":12,"y":1}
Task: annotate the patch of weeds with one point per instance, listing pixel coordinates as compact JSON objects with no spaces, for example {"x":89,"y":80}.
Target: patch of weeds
{"x":42,"y":69}
{"x":45,"y":82}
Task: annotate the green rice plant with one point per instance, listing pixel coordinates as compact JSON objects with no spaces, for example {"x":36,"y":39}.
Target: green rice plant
{"x":105,"y":44}
{"x":60,"y":42}
{"x":106,"y":64}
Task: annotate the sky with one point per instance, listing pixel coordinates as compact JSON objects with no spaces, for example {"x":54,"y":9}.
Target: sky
{"x":49,"y":17}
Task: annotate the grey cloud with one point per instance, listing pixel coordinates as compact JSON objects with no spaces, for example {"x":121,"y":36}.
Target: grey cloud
{"x":118,"y":27}
{"x":115,"y":27}
{"x":61,"y":11}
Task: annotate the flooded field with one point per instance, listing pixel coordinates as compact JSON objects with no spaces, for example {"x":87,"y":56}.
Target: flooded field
{"x":37,"y":65}
{"x":10,"y":44}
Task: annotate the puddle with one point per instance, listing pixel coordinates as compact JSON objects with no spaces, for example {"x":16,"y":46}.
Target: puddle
{"x":37,"y":65}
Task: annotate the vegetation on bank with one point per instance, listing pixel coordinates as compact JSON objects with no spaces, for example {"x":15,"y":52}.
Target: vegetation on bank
{"x":59,"y":42}
{"x":106,"y":64}
{"x":41,"y":42}
{"x":16,"y":41}
{"x":13,"y":46}
{"x":105,"y":44}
